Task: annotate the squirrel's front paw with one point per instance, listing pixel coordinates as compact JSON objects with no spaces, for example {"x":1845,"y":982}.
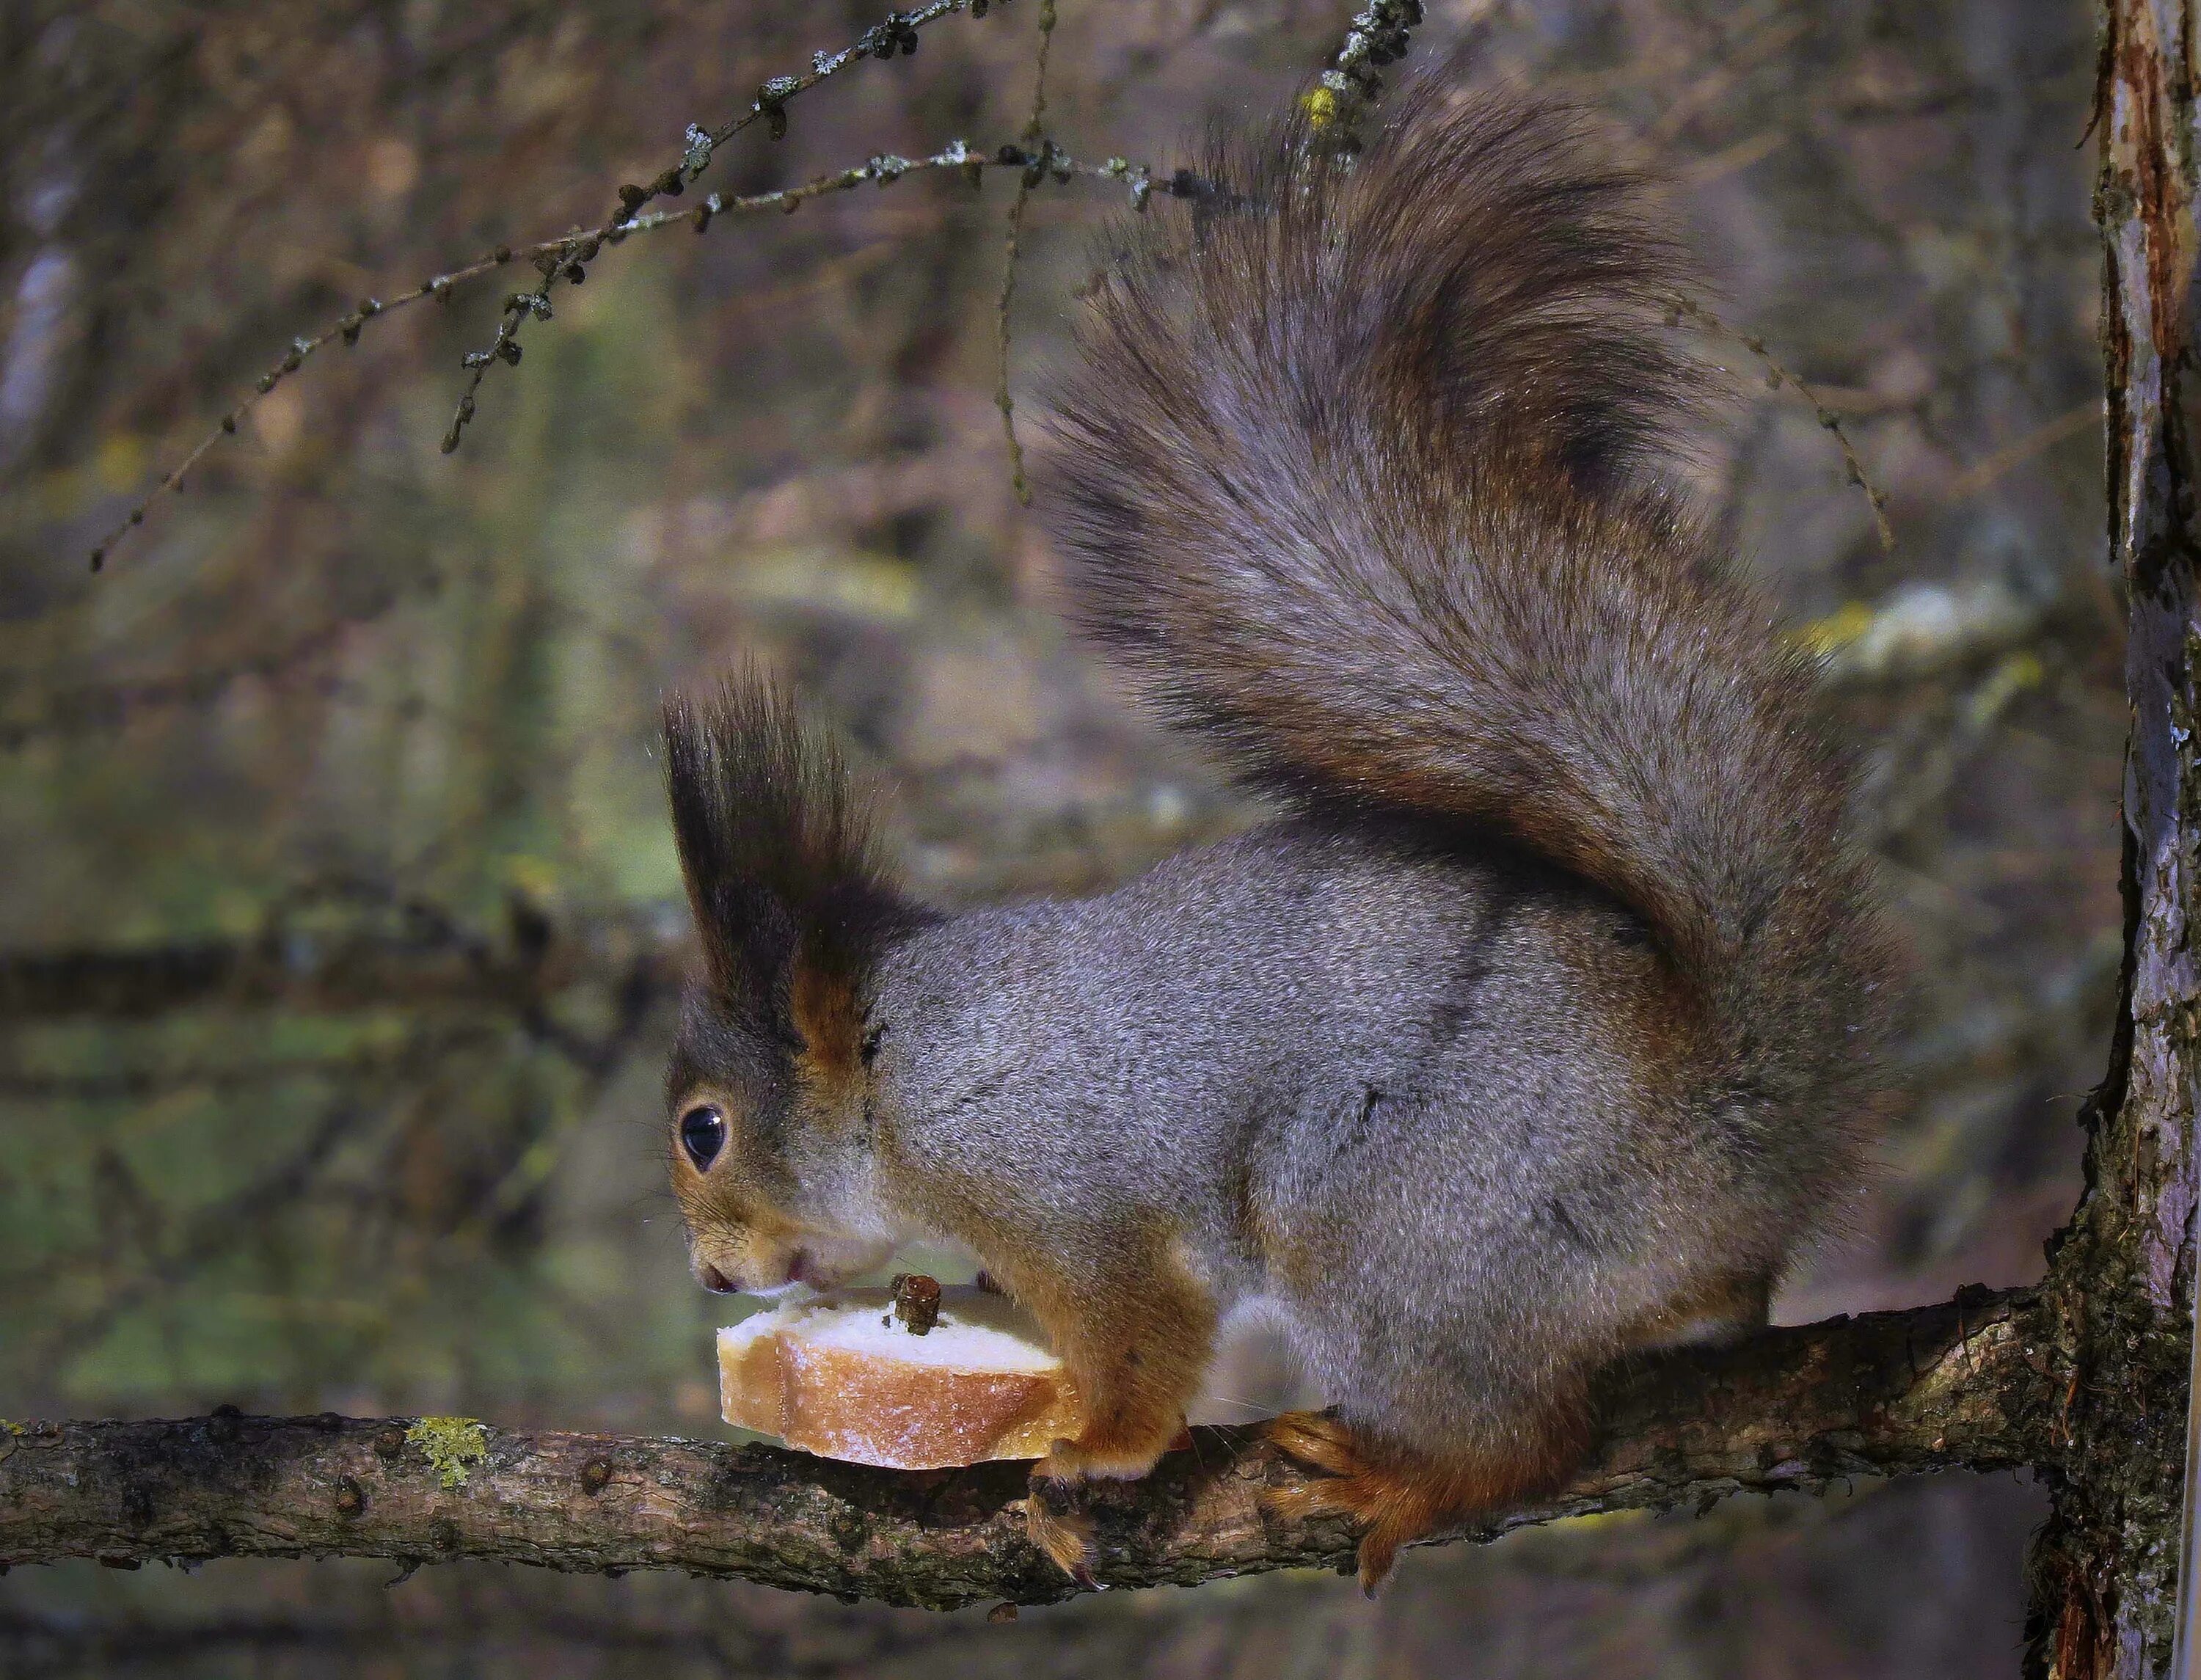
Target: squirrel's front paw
{"x":1107,"y":1457}
{"x":1066,"y":1536}
{"x":1098,"y":1454}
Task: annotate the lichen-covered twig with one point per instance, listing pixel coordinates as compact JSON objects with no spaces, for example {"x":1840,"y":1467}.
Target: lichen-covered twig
{"x":882,"y":170}
{"x":1968,"y":1384}
{"x":563,"y":257}
{"x":885,"y":168}
{"x":1342,"y":96}
{"x":897,"y":33}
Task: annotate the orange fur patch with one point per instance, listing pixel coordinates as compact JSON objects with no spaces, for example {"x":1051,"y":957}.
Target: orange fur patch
{"x":823,"y":1003}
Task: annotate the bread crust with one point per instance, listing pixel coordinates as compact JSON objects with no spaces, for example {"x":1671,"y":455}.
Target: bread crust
{"x":898,"y":1400}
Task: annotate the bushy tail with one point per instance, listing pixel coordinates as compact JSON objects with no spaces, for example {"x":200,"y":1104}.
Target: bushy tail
{"x":1360,"y":476}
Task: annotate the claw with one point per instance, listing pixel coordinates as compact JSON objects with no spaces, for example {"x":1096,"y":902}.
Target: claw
{"x":1065,"y":1537}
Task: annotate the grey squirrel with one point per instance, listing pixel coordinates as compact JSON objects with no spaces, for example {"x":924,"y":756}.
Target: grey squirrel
{"x":1539,"y":1026}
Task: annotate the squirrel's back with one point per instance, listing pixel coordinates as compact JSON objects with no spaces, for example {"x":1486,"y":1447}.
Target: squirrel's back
{"x":1363,"y":475}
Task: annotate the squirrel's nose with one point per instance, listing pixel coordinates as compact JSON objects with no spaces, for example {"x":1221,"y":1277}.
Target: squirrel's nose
{"x":714,"y":1280}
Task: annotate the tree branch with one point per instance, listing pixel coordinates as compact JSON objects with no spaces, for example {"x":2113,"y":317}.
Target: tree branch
{"x":355,"y":968}
{"x":1964,"y":1384}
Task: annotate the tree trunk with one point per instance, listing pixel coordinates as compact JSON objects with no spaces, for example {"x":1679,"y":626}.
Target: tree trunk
{"x":2105,"y":1570}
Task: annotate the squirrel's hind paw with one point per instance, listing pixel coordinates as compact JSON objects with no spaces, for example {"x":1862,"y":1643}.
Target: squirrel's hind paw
{"x":1388,"y":1509}
{"x":1393,"y":1495}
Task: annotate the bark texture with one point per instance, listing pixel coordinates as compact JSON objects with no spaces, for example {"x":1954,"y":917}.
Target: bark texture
{"x":1968,"y":1383}
{"x":2121,"y":1283}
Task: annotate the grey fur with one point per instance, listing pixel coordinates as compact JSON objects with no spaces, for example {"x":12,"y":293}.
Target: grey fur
{"x":1547,"y":1015}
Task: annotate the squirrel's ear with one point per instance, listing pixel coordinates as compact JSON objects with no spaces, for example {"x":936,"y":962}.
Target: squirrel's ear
{"x":776,"y":850}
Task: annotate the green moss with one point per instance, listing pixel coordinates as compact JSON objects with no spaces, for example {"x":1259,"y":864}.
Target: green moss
{"x":452,"y":1445}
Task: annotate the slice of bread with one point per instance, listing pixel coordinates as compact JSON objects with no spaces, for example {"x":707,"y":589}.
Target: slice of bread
{"x":842,"y":1375}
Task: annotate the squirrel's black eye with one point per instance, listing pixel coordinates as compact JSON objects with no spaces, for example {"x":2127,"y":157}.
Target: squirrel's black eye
{"x":702,"y":1135}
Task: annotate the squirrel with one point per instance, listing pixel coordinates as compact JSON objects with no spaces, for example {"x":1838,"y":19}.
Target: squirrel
{"x":1539,"y":1026}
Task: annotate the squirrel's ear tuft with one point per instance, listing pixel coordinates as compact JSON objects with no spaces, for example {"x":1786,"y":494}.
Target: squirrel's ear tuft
{"x":782,"y":869}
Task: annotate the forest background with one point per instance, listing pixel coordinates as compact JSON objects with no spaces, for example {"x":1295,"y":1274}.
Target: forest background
{"x":340,"y":919}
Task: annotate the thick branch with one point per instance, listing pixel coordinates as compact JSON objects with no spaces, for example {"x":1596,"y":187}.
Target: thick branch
{"x":1962,"y":1385}
{"x":357,"y":968}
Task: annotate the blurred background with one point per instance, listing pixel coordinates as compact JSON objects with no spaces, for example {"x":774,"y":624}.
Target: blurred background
{"x":340,"y":924}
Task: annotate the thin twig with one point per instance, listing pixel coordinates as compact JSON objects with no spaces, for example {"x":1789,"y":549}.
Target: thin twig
{"x":1683,"y":307}
{"x":75,"y":711}
{"x":1981,"y":473}
{"x":211,"y":1230}
{"x":897,"y":33}
{"x":561,"y":257}
{"x":346,"y":328}
{"x":136,"y":1084}
{"x":1035,"y":171}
